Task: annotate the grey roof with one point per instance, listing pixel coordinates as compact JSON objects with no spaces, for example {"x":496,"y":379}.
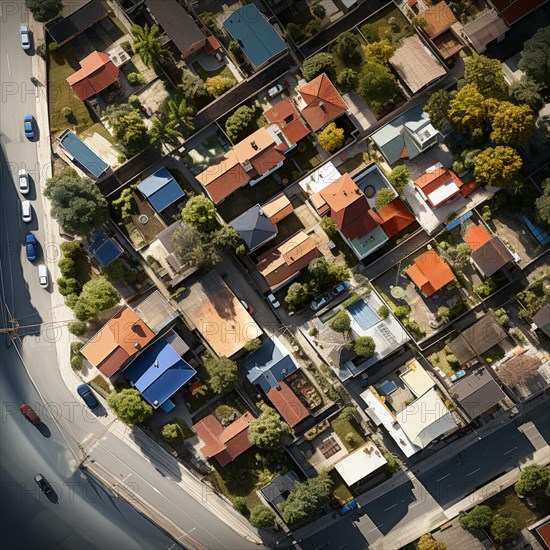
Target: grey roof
{"x":254,"y":227}
{"x":165,"y":237}
{"x":78,"y":21}
{"x":277,"y":491}
{"x":542,"y":319}
{"x":155,"y":311}
{"x":491,"y":256}
{"x":484,"y":29}
{"x":477,"y":392}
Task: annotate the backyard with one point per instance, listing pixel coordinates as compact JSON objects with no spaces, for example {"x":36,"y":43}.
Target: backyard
{"x":508,"y":504}
{"x":340,"y":490}
{"x":223,"y":71}
{"x":378,"y":27}
{"x":349,"y":432}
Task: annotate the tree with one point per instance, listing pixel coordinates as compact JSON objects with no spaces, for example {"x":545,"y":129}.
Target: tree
{"x":346,"y":46}
{"x":313,"y":26}
{"x":222,"y":373}
{"x":399,"y":177}
{"x":419,"y":22}
{"x":128,"y":128}
{"x":296,"y":297}
{"x":543,"y":124}
{"x":268,"y":431}
{"x":68,"y":286}
{"x":307,"y":499}
{"x":427,"y":542}
{"x":97,"y":295}
{"x":172,"y":433}
{"x":444,"y":313}
{"x":504,"y":529}
{"x":346,"y":78}
{"x":209,"y":21}
{"x":129,"y":407}
{"x":437,"y":107}
{"x":341,"y":322}
{"x":44,"y":10}
{"x":261,"y":517}
{"x":468,"y":110}
{"x":191,"y":86}
{"x":318,"y":10}
{"x":527,"y":91}
{"x":535,"y":59}
{"x":533,"y":481}
{"x":480,"y":517}
{"x":364,"y":346}
{"x":180,"y":112}
{"x":379,"y":52}
{"x":77,"y":328}
{"x":383,"y":197}
{"x":502,"y":317}
{"x":376,"y":83}
{"x":147,"y":45}
{"x":295,"y":32}
{"x":331,"y":138}
{"x":164,"y":132}
{"x":458,"y":256}
{"x":319,"y":63}
{"x":497,"y":166}
{"x":542,"y":204}
{"x":383,"y":312}
{"x":329,"y":226}
{"x":77,"y":203}
{"x":252,"y":345}
{"x":218,"y":85}
{"x":239,"y":503}
{"x":200,"y":213}
{"x":486,"y":74}
{"x":239,"y":121}
{"x":465,"y":160}
{"x":512,"y":124}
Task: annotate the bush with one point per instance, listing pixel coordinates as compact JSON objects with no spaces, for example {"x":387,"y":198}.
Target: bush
{"x":504,"y":529}
{"x":134,"y":101}
{"x":136,"y":79}
{"x":444,"y":313}
{"x":501,"y":317}
{"x":486,"y":288}
{"x":427,"y":542}
{"x":76,"y":347}
{"x":226,"y":414}
{"x":67,"y":267}
{"x":127,"y":47}
{"x":239,"y":504}
{"x":331,"y":138}
{"x":172,"y":433}
{"x":399,"y":177}
{"x":76,"y":362}
{"x":239,"y":121}
{"x":480,"y":517}
{"x":383,"y":312}
{"x":319,"y":63}
{"x":328,"y":225}
{"x":314,"y":331}
{"x":261,"y":517}
{"x":68,"y":286}
{"x":318,"y":10}
{"x":313,"y":27}
{"x":402,"y":312}
{"x":349,"y":414}
{"x":370,"y":32}
{"x":52,"y":47}
{"x":218,"y":85}
{"x":452,"y":360}
{"x":450,"y":405}
{"x":383,"y":197}
{"x":77,"y":328}
{"x":295,"y":32}
{"x":252,"y":345}
{"x":392,"y":465}
{"x":346,"y":79}
{"x":66,"y":112}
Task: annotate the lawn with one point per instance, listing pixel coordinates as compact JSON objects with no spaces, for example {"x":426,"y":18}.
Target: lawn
{"x":306,"y":155}
{"x":98,"y":128}
{"x":352,"y":163}
{"x":438,"y":360}
{"x":204,"y":74}
{"x":343,"y":428}
{"x":508,"y":504}
{"x":340,"y":489}
{"x":383,"y":29}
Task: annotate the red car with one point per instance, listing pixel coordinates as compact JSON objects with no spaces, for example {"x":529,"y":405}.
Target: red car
{"x":29,"y":414}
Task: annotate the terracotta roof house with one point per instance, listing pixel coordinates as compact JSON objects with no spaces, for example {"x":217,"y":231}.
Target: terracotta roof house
{"x":280,"y":265}
{"x":430,"y":273}
{"x":438,"y":184}
{"x":359,"y":225}
{"x":75,"y":21}
{"x":287,"y":403}
{"x":97,"y":72}
{"x":395,"y":217}
{"x":512,"y":10}
{"x":439,"y":20}
{"x":277,"y":208}
{"x":415,"y":64}
{"x":288,"y":119}
{"x":117,"y":341}
{"x":487,"y":29}
{"x":319,"y":102}
{"x":489,"y":254}
{"x":224,"y":444}
{"x":178,"y":25}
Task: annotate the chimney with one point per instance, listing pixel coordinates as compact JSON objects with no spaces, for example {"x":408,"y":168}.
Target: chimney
{"x":322,"y":106}
{"x":254,"y":146}
{"x":137,"y":346}
{"x":156,"y":364}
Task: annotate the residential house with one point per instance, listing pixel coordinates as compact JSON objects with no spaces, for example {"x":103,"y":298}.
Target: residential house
{"x":415,"y":64}
{"x":223,"y":444}
{"x":97,"y":72}
{"x":178,"y":25}
{"x":279,"y":488}
{"x":277,"y":208}
{"x":486,"y":30}
{"x":105,"y":250}
{"x":82,"y":155}
{"x":541,"y":319}
{"x":161,"y":189}
{"x":439,"y":28}
{"x":319,"y":102}
{"x":282,"y":264}
{"x":122,"y":337}
{"x":157,"y":313}
{"x":526,"y":374}
{"x":75,"y":21}
{"x":289,"y":121}
{"x":438,"y":185}
{"x":489,"y":254}
{"x":430,"y":273}
{"x":319,"y":179}
{"x":416,"y":377}
{"x":513,"y":10}
{"x":360,"y":464}
{"x":407,"y":136}
{"x":395,"y":217}
{"x":259,"y":41}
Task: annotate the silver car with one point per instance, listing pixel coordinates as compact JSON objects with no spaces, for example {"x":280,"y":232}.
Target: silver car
{"x":23,"y":182}
{"x":26,"y":211}
{"x":25,"y":37}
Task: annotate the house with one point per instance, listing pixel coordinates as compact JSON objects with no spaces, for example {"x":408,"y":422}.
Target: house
{"x":75,"y":21}
{"x":178,"y":25}
{"x":319,"y":179}
{"x":357,"y":223}
{"x":407,"y":136}
{"x":477,"y":393}
{"x":277,"y":491}
{"x":157,"y":313}
{"x":82,"y":155}
{"x":254,"y":228}
{"x":124,"y":335}
{"x":541,"y":319}
{"x":259,"y":41}
{"x":486,"y":30}
{"x":415,"y":64}
{"x":360,"y":464}
{"x":223,"y":444}
{"x":289,"y":121}
{"x":430,"y":273}
{"x":512,"y":11}
{"x":439,"y":28}
{"x":97,"y":72}
{"x":438,"y":184}
{"x":161,"y":189}
{"x":525,"y":374}
{"x":489,"y":254}
{"x":287,"y":404}
{"x":277,"y":208}
{"x":395,"y":217}
{"x":105,"y":250}
{"x":217,"y":314}
{"x":319,"y":102}
{"x":159,"y":371}
{"x":416,"y":378}
{"x":282,"y":264}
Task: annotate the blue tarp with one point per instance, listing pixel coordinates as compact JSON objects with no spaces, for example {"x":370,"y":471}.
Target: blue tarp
{"x":104,"y":249}
{"x":363,"y":315}
{"x":83,"y":154}
{"x":159,"y":372}
{"x":542,"y":236}
{"x":458,"y":221}
{"x":161,"y":189}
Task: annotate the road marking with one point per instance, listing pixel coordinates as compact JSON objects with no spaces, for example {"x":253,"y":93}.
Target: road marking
{"x":442,"y":478}
{"x":510,"y":451}
{"x":392,"y":506}
{"x":472,"y":473}
{"x":375,"y":528}
{"x":126,"y":477}
{"x":9,"y":68}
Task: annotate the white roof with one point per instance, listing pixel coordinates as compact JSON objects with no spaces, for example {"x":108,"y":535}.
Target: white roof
{"x":426,"y":419}
{"x":360,"y":463}
{"x":319,"y":179}
{"x":443,"y":192}
{"x":417,"y":379}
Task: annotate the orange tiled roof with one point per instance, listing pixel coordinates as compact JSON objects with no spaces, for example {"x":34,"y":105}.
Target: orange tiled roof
{"x":395,"y":217}
{"x":430,"y":273}
{"x":97,"y":72}
{"x":288,"y":404}
{"x":476,"y":236}
{"x":432,"y":180}
{"x":439,"y":18}
{"x":277,"y":208}
{"x":212,"y":45}
{"x":116,"y":342}
{"x":285,"y":115}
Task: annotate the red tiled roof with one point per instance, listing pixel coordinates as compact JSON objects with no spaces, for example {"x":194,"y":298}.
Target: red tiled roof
{"x":212,"y":45}
{"x":267,"y":160}
{"x":395,"y":217}
{"x":97,"y":73}
{"x":434,"y":178}
{"x":476,"y":236}
{"x":430,"y":273}
{"x":285,"y":115}
{"x":439,"y":18}
{"x":468,"y":188}
{"x":513,"y":11}
{"x":288,"y":404}
{"x":321,"y":103}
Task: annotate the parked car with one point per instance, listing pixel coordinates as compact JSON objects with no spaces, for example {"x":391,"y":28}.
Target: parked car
{"x":28,"y":124}
{"x":274,"y":91}
{"x":43,"y":279}
{"x":25,"y":37}
{"x":44,"y":485}
{"x":29,"y":414}
{"x":30,"y":247}
{"x":273,"y":301}
{"x":248,"y":308}
{"x":88,"y":397}
{"x":364,"y":380}
{"x":342,"y":287}
{"x":24,"y":187}
{"x":26,"y":211}
{"x":348,"y":507}
{"x":316,"y":305}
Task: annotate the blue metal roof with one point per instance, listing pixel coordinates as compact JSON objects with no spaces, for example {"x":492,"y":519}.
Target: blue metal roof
{"x":161,"y":189}
{"x":254,"y":227}
{"x":82,"y":154}
{"x":542,"y":236}
{"x":257,"y":38}
{"x":104,"y":249}
{"x":158,"y":372}
{"x":363,"y":315}
{"x":459,"y":220}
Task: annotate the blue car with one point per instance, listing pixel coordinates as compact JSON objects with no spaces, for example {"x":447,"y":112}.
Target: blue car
{"x":342,"y":287}
{"x":29,"y":126}
{"x":348,"y":508}
{"x":88,"y":397}
{"x":30,"y":247}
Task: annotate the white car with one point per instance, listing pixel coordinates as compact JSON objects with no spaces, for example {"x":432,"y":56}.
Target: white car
{"x":43,"y":279}
{"x":25,"y":37}
{"x":26,"y":211}
{"x":23,"y":182}
{"x":276,"y":90}
{"x":273,"y":301}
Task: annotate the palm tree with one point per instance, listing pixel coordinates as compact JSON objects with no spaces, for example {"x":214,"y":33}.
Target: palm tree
{"x":164,"y":132}
{"x":147,"y":45}
{"x":179,"y":111}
